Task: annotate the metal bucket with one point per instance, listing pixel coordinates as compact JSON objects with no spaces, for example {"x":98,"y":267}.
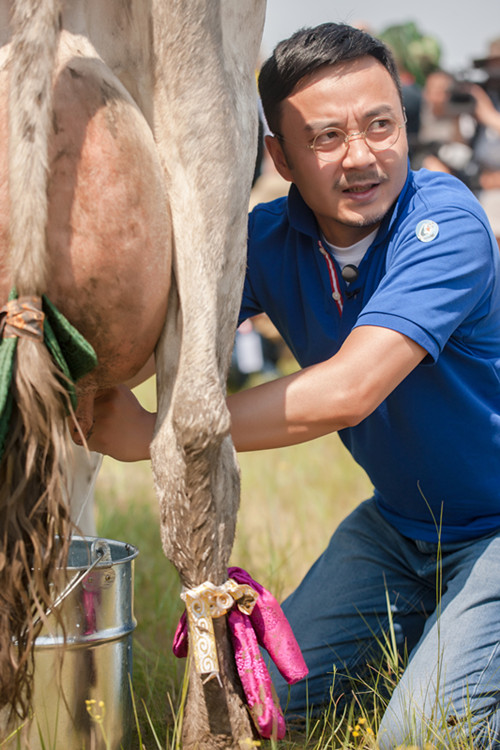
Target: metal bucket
{"x":82,"y":698}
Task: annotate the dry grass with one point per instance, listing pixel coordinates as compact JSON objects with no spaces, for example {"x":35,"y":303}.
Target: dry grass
{"x":291,"y":501}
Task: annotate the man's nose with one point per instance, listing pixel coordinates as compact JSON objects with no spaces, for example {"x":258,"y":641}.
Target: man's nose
{"x":358,"y":152}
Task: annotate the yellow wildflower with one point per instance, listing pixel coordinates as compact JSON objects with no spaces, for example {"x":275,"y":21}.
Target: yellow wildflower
{"x":96,"y":710}
{"x":248,"y":742}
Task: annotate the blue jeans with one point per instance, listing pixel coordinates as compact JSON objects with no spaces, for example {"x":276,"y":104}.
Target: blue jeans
{"x":340,"y":611}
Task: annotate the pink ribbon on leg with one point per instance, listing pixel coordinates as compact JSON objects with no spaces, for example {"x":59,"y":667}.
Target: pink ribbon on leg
{"x":268,"y":627}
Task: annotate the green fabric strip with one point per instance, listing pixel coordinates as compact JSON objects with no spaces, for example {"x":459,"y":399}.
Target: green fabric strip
{"x":72,"y":354}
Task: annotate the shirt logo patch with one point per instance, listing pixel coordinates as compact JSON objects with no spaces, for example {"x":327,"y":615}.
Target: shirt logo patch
{"x":427,"y":230}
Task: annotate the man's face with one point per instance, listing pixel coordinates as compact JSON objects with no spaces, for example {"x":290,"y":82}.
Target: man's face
{"x":349,"y":197}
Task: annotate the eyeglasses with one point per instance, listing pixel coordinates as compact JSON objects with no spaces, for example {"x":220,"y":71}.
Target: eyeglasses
{"x":331,"y":144}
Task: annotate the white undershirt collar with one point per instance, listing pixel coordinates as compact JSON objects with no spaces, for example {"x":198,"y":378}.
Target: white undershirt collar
{"x":352,"y":255}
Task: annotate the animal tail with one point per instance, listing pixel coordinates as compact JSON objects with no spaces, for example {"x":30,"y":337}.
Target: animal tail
{"x":34,"y":521}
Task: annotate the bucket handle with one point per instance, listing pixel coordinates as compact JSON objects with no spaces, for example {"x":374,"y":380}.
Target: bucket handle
{"x":100,"y":551}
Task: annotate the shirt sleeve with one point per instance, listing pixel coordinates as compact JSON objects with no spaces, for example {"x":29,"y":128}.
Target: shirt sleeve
{"x":249,"y":307}
{"x":437,"y":283}
{"x":249,"y":304}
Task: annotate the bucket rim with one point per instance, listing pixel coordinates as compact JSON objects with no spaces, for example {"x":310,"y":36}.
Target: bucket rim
{"x":128,"y":552}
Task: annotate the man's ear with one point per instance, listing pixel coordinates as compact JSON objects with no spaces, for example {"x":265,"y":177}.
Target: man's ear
{"x":278,"y":156}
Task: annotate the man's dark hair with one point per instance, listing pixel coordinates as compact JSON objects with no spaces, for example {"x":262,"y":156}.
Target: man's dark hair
{"x":308,"y":50}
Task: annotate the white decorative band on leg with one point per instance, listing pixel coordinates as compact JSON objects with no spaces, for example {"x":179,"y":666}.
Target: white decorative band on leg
{"x":203,"y":604}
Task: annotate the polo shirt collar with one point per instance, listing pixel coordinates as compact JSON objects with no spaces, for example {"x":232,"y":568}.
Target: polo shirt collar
{"x":300,"y":216}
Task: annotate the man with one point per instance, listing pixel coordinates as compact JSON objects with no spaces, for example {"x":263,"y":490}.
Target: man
{"x":384,"y":283}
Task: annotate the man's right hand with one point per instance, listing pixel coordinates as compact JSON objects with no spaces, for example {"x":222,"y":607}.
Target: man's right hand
{"x":122,"y":428}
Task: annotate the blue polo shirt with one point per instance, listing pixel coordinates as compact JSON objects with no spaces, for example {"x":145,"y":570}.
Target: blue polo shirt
{"x":432,"y":448}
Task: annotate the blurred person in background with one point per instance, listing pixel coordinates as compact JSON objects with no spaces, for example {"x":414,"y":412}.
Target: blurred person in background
{"x":257,"y":350}
{"x":487,"y":141}
{"x":447,"y":128}
{"x":417,"y":55}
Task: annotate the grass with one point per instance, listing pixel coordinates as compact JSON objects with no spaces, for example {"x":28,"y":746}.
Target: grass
{"x":291,"y":501}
